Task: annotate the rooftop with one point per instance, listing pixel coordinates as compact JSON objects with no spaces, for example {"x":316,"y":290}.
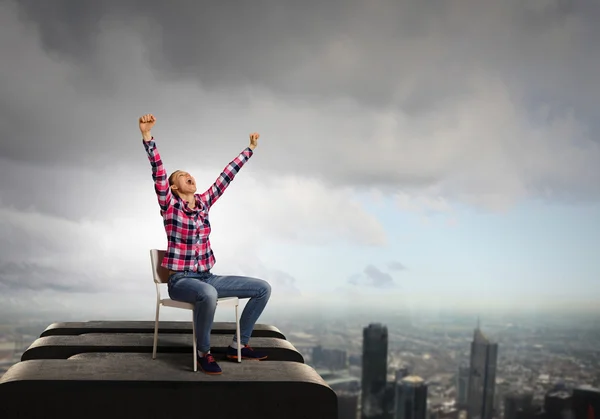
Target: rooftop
{"x":412,"y":379}
{"x":94,"y":369}
{"x":479,"y":337}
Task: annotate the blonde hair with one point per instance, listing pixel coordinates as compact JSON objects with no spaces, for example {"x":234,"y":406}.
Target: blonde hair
{"x":172,"y":180}
{"x":172,"y":177}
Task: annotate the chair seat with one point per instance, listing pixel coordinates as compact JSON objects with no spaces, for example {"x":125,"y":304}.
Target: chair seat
{"x":180,"y":304}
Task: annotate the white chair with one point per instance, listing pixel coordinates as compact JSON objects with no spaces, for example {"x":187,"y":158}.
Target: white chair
{"x":161,"y":276}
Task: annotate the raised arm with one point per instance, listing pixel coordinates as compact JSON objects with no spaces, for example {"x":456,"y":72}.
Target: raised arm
{"x":159,"y":174}
{"x":228,"y":174}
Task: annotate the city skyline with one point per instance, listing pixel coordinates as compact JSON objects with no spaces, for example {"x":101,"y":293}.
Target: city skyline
{"x":533,"y":360}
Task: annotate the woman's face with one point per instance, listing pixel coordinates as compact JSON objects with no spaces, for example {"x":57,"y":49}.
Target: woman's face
{"x":184,"y":183}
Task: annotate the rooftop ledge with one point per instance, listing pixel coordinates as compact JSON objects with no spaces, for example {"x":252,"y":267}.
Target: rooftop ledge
{"x":107,"y":370}
{"x":219,"y":328}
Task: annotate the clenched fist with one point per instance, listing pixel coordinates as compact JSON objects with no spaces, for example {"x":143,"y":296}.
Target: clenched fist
{"x":254,"y":140}
{"x":146,"y":123}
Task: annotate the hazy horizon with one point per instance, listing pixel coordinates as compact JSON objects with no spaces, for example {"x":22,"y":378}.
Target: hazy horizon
{"x":445,"y":162}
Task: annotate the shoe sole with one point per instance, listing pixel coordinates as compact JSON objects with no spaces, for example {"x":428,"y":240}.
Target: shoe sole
{"x":234,"y":357}
{"x":211,"y":373}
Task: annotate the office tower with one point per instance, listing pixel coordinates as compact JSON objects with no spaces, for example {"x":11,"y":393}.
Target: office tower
{"x":317,"y":356}
{"x":334,"y":359}
{"x":586,"y":403}
{"x":443,"y":412}
{"x":389,"y":400}
{"x":518,"y":405}
{"x":338,"y":359}
{"x":411,"y":398}
{"x":401,"y":373}
{"x":537,"y":412}
{"x":482,"y":377}
{"x":374,"y":371}
{"x":462,"y":387}
{"x":557,"y":404}
{"x":347,"y":404}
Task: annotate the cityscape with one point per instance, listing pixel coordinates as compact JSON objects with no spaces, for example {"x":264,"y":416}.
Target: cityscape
{"x":434,"y":368}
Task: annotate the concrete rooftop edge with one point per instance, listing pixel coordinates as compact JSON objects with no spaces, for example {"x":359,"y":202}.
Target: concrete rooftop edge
{"x":72,"y":374}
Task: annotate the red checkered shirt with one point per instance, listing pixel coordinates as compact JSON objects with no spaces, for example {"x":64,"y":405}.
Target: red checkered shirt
{"x":188,"y":230}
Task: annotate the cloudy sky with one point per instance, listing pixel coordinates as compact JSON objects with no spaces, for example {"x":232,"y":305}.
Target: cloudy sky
{"x":413,"y":153}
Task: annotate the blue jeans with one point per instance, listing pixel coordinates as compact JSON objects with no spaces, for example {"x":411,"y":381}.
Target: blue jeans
{"x":203,"y":288}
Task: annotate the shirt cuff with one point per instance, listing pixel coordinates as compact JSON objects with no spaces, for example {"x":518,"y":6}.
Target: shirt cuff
{"x":149,"y":144}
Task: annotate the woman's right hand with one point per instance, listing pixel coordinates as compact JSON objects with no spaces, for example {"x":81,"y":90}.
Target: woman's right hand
{"x":146,"y":123}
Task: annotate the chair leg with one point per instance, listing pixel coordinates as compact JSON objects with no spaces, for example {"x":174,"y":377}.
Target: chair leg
{"x":194,"y":343}
{"x":237,"y":331}
{"x":155,"y":331}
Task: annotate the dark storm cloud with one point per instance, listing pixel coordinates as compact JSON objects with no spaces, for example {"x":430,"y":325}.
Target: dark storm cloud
{"x":76,"y":74}
{"x":264,"y":43}
{"x":350,"y":48}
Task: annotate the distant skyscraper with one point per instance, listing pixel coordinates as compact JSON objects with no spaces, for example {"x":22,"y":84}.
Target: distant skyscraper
{"x":482,"y":377}
{"x":462,"y":387}
{"x":411,"y":398}
{"x":334,"y":359}
{"x":389,"y":400}
{"x":557,"y":404}
{"x":347,"y":404}
{"x":518,"y":405}
{"x":443,"y":412}
{"x":401,"y":373}
{"x":586,"y":402}
{"x":374,"y":371}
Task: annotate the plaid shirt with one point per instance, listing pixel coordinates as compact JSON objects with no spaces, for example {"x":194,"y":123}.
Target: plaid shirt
{"x":188,"y":230}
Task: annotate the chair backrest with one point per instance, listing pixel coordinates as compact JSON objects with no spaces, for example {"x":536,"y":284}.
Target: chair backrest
{"x":159,"y":273}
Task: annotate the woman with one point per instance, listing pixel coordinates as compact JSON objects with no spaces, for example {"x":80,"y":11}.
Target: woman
{"x":189,"y":257}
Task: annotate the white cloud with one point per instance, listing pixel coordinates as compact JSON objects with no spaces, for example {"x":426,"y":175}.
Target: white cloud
{"x":295,"y":210}
{"x":111,"y":250}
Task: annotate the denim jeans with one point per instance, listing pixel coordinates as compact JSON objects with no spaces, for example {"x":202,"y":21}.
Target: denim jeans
{"x":203,"y":288}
